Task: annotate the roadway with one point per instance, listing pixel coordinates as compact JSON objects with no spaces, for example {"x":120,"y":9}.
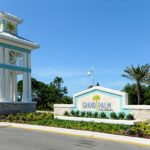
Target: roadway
{"x":22,"y":139}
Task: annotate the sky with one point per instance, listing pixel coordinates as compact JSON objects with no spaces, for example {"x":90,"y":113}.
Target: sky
{"x":76,"y":35}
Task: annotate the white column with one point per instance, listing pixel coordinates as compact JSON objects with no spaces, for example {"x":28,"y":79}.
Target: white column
{"x":29,"y":88}
{"x":11,"y":85}
{"x":1,"y":85}
{"x":25,"y":94}
{"x":29,"y":79}
{"x":24,"y":97}
{"x":6,"y":85}
{"x":1,"y":75}
{"x":14,"y":86}
{"x":6,"y":76}
{"x":1,"y":55}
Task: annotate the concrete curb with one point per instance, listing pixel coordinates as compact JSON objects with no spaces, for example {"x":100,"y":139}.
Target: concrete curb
{"x":98,"y":120}
{"x":87,"y":134}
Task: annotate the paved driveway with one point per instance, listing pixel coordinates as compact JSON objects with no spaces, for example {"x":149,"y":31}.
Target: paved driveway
{"x":20,"y":139}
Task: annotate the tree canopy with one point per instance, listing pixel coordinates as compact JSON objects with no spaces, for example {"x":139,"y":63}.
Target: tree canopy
{"x":47,"y":94}
{"x":132,"y":95}
{"x":139,"y":74}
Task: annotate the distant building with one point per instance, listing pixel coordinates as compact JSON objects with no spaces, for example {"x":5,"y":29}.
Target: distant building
{"x":15,"y":62}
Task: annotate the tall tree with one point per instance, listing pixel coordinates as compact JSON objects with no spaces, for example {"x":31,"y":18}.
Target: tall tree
{"x":58,"y":91}
{"x":132,"y":96}
{"x":139,"y":74}
{"x":47,"y":94}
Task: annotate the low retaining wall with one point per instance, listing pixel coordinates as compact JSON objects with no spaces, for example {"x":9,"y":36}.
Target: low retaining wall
{"x":17,"y":107}
{"x":59,"y":109}
{"x":140,"y":112}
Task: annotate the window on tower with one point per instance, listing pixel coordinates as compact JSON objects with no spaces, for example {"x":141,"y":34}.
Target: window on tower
{"x":16,"y":58}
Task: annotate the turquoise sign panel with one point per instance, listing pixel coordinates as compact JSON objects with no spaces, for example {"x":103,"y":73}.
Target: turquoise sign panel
{"x":99,"y":101}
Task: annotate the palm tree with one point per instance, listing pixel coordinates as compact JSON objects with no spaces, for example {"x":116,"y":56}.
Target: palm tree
{"x":10,"y":27}
{"x":141,"y":75}
{"x":96,"y":98}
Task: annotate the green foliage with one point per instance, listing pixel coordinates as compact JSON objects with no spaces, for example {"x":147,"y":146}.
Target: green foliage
{"x":113,"y":115}
{"x":72,"y":112}
{"x":121,"y":115}
{"x":146,"y":98}
{"x":47,"y":119}
{"x":47,"y":94}
{"x":77,"y":113}
{"x":140,"y":129}
{"x":97,"y":84}
{"x":90,"y":86}
{"x":27,"y":117}
{"x":10,"y":27}
{"x":132,"y":96}
{"x":88,"y":114}
{"x":66,"y":113}
{"x":83,"y":113}
{"x":95,"y":114}
{"x":130,"y":117}
{"x":139,"y":74}
{"x":103,"y":115}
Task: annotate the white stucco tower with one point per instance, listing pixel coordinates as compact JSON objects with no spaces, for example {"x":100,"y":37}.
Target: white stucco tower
{"x":15,"y":62}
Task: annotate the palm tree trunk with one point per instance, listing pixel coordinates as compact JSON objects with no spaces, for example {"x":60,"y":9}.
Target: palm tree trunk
{"x":138,"y":90}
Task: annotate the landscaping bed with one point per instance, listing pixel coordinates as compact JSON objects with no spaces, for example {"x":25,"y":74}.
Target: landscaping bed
{"x":47,"y":119}
{"x":101,"y":115}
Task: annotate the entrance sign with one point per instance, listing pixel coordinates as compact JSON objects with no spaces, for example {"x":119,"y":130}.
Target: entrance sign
{"x":104,"y":103}
{"x":100,"y":99}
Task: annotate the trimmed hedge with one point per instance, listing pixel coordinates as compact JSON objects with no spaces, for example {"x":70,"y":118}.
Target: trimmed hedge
{"x":89,"y":114}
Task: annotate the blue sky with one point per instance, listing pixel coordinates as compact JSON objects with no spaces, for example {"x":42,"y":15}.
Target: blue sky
{"x":77,"y":34}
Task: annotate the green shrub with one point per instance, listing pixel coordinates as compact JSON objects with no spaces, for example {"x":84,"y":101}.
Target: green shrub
{"x":137,"y":131}
{"x":72,"y":112}
{"x":130,"y":117}
{"x":95,"y":114}
{"x":66,"y":113}
{"x":77,"y":113}
{"x":103,"y":115}
{"x":82,"y":114}
{"x":121,"y":115}
{"x":113,"y":115}
{"x":27,"y":117}
{"x":141,"y":128}
{"x":89,"y":114}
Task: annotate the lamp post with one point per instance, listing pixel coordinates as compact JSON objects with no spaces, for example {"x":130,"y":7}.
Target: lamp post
{"x":91,"y":74}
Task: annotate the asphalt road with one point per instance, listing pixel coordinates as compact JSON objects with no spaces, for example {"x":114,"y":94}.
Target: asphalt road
{"x":20,"y":139}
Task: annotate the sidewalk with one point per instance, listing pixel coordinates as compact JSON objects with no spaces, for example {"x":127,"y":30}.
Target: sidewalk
{"x":87,"y":134}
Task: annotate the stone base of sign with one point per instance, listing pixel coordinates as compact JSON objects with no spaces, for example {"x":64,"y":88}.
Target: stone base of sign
{"x":59,"y":109}
{"x":16,"y":107}
{"x":97,"y":120}
{"x":140,"y":112}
